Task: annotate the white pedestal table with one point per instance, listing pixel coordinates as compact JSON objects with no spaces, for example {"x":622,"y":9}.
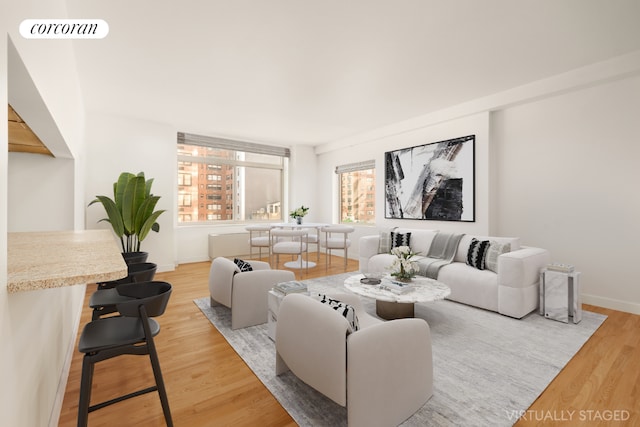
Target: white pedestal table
{"x":301,"y":263}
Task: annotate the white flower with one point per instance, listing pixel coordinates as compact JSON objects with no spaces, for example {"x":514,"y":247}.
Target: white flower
{"x":402,"y":252}
{"x":403,"y":265}
{"x":300,"y":212}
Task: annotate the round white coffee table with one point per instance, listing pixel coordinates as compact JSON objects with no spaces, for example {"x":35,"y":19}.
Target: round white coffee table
{"x":395,"y":305}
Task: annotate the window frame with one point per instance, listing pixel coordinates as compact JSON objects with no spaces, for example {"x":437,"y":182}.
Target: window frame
{"x":348,"y":169}
{"x":215,"y":167}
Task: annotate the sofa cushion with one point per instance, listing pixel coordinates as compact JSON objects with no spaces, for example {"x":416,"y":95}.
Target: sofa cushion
{"x":346,"y":310}
{"x":495,"y":250}
{"x":400,"y":239}
{"x":421,"y":241}
{"x":477,"y":253}
{"x":380,"y":262}
{"x":469,"y":285}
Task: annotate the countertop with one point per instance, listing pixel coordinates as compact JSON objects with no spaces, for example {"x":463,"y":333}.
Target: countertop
{"x":42,"y":260}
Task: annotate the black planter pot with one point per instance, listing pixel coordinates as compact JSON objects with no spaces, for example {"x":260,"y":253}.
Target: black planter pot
{"x":135,"y":257}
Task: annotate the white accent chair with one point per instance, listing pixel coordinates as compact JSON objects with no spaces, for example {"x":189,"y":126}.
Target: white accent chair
{"x":245,"y":293}
{"x":382,"y":373}
{"x":290,"y":242}
{"x":313,"y":238}
{"x":336,"y":238}
{"x":259,"y":237}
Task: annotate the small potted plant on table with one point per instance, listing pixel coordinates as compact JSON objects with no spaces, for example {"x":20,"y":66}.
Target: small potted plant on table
{"x":299,"y":213}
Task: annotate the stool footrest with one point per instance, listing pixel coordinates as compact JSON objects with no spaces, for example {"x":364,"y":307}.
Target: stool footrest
{"x":121,"y":398}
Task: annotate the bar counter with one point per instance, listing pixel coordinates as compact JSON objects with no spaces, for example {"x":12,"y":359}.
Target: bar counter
{"x":52,"y":259}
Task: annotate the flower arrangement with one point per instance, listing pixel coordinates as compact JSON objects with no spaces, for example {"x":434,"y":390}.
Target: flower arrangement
{"x":404,"y":268}
{"x":299,"y":213}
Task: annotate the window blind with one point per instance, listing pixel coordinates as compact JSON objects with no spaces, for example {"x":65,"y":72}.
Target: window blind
{"x":230,"y":144}
{"x":352,"y":167}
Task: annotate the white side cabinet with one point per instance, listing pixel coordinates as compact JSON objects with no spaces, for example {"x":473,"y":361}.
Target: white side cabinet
{"x":560,"y":296}
{"x":274,"y":298}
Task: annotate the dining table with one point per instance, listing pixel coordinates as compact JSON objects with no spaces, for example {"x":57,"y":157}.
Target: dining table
{"x":301,"y":263}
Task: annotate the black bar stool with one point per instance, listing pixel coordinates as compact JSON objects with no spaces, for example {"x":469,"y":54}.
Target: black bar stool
{"x":140,"y":272}
{"x":130,"y":333}
{"x":104,"y":300}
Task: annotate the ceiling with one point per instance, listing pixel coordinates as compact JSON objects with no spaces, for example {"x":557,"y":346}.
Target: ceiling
{"x":312,"y":72}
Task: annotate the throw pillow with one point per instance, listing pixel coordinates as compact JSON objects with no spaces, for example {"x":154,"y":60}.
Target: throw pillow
{"x":400,"y":239}
{"x":342,"y":308}
{"x":495,"y":250}
{"x":384,"y":241}
{"x":477,"y":253}
{"x":242,"y":265}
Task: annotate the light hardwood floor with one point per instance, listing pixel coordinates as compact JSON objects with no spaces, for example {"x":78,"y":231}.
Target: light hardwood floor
{"x":209,"y":385}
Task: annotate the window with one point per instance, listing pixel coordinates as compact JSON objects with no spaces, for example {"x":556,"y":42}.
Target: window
{"x":357,"y":192}
{"x":246,"y":177}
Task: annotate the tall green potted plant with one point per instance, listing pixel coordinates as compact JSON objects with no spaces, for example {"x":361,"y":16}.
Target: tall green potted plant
{"x":131,"y":213}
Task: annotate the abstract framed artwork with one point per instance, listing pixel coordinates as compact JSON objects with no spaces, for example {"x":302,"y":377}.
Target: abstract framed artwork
{"x":434,"y":181}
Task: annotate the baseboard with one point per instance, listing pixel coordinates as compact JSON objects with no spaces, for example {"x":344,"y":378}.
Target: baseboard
{"x":165,"y":267}
{"x":612,"y":304}
{"x":191,"y":260}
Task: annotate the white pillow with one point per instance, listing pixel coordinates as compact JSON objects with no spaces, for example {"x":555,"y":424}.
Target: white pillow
{"x":495,"y":250}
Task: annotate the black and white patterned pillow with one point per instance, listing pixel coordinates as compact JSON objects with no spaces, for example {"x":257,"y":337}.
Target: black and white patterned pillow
{"x":400,"y":239}
{"x":242,"y":265}
{"x":342,"y":308}
{"x":477,"y":253}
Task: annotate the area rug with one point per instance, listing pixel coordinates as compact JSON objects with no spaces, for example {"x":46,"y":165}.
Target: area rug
{"x":488,"y":368}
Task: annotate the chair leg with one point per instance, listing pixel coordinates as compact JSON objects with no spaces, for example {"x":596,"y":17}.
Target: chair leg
{"x":346,"y":252}
{"x":157,"y":373}
{"x":85,"y":391}
{"x":326,"y":259}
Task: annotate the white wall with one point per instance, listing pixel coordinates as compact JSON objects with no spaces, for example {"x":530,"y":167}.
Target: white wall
{"x":567,"y":177}
{"x":37,"y":329}
{"x":40,"y":193}
{"x":7,"y":355}
{"x":118,"y":144}
{"x":302,"y":184}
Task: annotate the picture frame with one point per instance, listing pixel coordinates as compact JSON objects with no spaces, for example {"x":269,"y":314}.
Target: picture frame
{"x":434,"y":181}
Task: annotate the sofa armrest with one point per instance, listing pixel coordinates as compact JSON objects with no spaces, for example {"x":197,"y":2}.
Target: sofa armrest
{"x":521,"y":268}
{"x":368,"y":247}
{"x":390,"y":372}
{"x":249,"y":295}
{"x":311,"y":342}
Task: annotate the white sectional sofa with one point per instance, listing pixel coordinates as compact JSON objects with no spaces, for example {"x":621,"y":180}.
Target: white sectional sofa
{"x":511,"y":290}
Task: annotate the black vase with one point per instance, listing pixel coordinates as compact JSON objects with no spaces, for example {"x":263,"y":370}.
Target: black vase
{"x":135,"y":257}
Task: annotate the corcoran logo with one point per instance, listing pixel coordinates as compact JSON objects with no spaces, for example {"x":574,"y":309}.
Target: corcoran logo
{"x":64,"y":28}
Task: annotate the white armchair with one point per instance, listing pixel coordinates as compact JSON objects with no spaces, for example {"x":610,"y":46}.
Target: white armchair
{"x":336,"y":237}
{"x":245,"y":293}
{"x":382,"y":373}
